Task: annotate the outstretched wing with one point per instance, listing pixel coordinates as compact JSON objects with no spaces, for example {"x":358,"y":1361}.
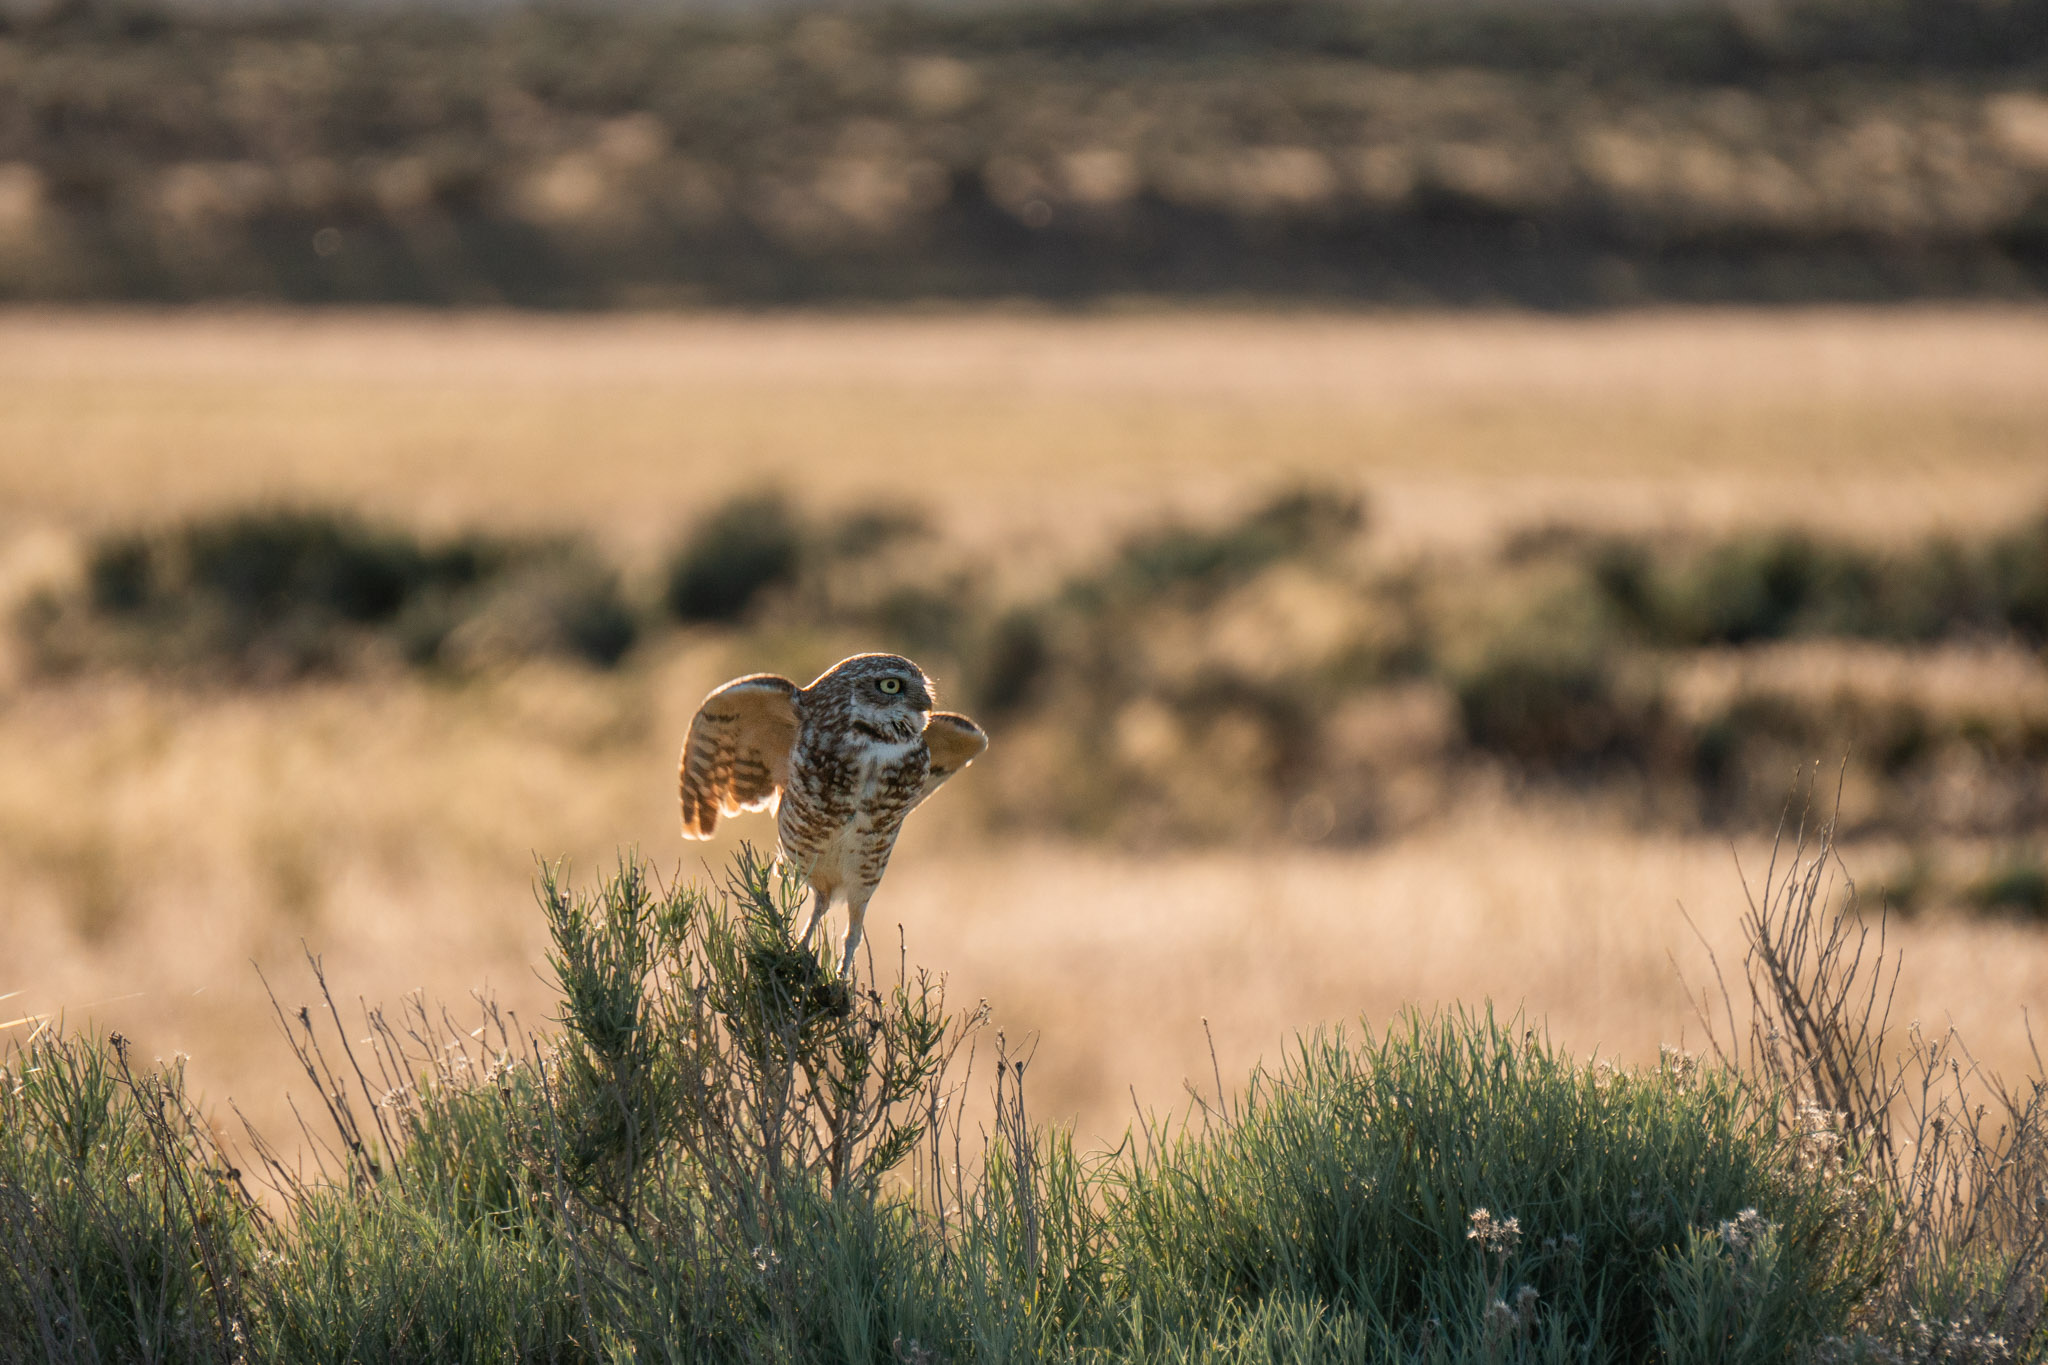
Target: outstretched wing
{"x":954,"y":742}
{"x":737,"y":755}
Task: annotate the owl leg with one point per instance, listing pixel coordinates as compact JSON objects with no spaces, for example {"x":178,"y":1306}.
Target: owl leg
{"x":820,"y":900}
{"x":856,"y":918}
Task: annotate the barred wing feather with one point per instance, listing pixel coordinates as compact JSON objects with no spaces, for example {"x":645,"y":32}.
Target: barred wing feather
{"x":737,"y":755}
{"x":954,"y":742}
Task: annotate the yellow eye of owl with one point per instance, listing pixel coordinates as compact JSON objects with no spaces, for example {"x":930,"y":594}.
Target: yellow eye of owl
{"x":890,"y":685}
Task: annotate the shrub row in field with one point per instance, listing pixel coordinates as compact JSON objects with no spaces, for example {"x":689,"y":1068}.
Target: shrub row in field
{"x":1579,"y":684}
{"x":274,"y":595}
{"x":725,"y":1155}
{"x":289,"y":592}
{"x":1555,"y":154}
{"x":1246,"y":676}
{"x":1780,"y":585}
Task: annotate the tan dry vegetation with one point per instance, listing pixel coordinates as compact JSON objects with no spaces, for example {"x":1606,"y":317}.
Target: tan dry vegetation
{"x":154,"y":841}
{"x":1018,"y":426}
{"x":165,"y":848}
{"x":1950,"y":680}
{"x":159,"y":847}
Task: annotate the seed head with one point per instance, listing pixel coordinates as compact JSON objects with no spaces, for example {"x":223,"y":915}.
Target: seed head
{"x":1497,"y":1236}
{"x":1744,"y":1230}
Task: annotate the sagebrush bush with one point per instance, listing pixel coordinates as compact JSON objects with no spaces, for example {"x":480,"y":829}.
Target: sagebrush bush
{"x":2017,"y":884}
{"x":1557,"y":712}
{"x":1427,"y":1179}
{"x":1203,"y":561}
{"x":725,"y":1152}
{"x":281,"y":593}
{"x":736,"y":552}
{"x":123,"y":1230}
{"x":1774,"y":585}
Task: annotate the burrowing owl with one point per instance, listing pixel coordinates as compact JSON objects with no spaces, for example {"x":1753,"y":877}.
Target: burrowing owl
{"x":847,"y":758}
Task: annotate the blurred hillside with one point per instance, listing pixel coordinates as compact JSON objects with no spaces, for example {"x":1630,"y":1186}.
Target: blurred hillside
{"x":1555,"y":156}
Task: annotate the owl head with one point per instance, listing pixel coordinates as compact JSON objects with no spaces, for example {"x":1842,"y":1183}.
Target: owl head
{"x":885,"y":690}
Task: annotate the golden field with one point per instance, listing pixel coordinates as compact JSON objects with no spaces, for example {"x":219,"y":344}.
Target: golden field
{"x":155,"y":841}
{"x":1021,"y":425}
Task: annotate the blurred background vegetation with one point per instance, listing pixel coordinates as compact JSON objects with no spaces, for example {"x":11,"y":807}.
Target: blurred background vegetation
{"x":1336,"y":657}
{"x":1559,"y":155}
{"x":1239,"y":681}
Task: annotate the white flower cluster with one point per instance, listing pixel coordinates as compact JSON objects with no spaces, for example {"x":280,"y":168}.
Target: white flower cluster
{"x":1744,"y":1230}
{"x":1683,"y":1066}
{"x":1920,"y":1342}
{"x":1497,"y":1236}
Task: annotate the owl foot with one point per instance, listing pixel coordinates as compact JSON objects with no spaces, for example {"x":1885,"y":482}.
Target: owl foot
{"x":818,"y":902}
{"x":855,"y":917}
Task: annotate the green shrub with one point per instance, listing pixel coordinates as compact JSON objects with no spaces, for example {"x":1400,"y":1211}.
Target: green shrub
{"x":1761,"y":586}
{"x":120,"y":575}
{"x":924,"y":621}
{"x":1749,"y":588}
{"x":1552,"y":711}
{"x":737,"y":552}
{"x":1766,"y":587}
{"x":1005,"y":672}
{"x":558,"y":600}
{"x":1206,"y":561}
{"x":282,"y":593}
{"x":2019,"y":574}
{"x":1457,"y":1183}
{"x":2018,"y":884}
{"x":120,"y":1223}
{"x":260,"y":566}
{"x":727,"y":1154}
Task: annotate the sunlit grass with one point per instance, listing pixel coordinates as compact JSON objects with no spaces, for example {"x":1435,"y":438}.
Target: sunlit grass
{"x":154,"y":840}
{"x":1016,"y":425}
{"x":715,"y":1152}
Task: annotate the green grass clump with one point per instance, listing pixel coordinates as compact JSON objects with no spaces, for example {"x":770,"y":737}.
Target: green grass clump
{"x":1453,"y":1187}
{"x":367,"y":1278}
{"x":123,"y":1230}
{"x":724,"y":1152}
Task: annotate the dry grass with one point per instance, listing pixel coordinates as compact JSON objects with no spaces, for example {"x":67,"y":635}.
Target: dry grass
{"x":153,"y":843}
{"x":1024,"y":426}
{"x":1969,"y":679}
